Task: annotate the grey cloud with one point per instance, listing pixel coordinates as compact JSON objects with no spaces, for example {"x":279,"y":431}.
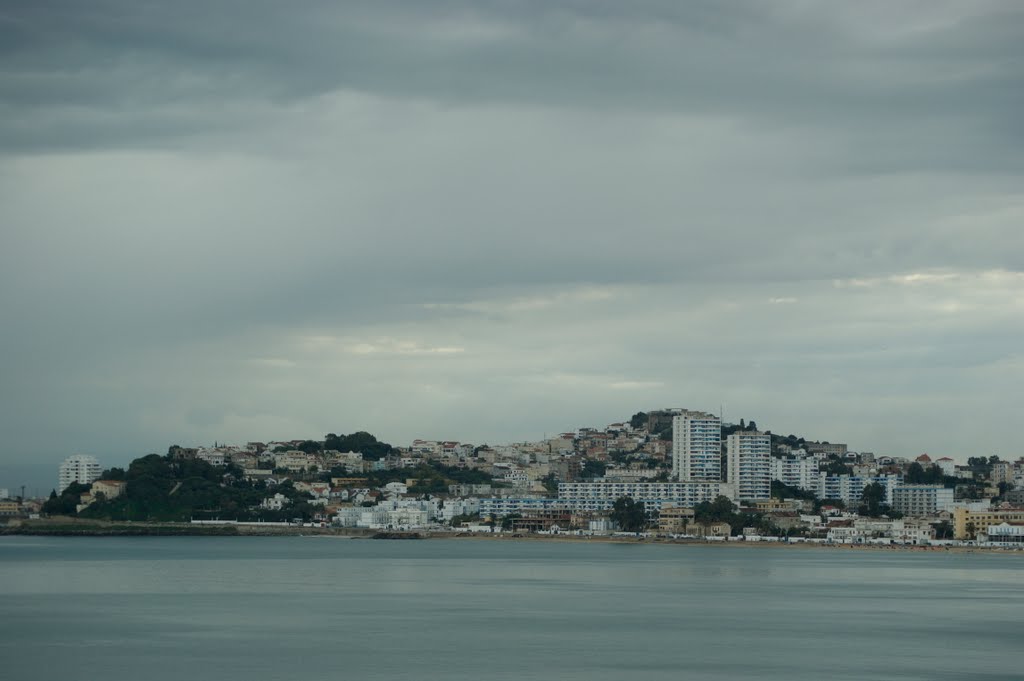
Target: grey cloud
{"x":156,"y":75}
{"x":593,"y":202}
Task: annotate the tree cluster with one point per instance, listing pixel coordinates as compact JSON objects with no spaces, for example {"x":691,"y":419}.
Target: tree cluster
{"x":916,"y":474}
{"x":872,"y":501}
{"x":781,"y":490}
{"x":361,"y":441}
{"x":160,"y":488}
{"x":836,"y":466}
{"x":628,"y":514}
{"x":432,"y":477}
{"x":66,"y":502}
{"x":723,"y":510}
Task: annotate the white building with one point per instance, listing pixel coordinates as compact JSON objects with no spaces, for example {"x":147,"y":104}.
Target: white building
{"x":395,"y":489}
{"x":630,"y":474}
{"x":274,"y":503}
{"x":749,"y":465}
{"x":214,"y":457}
{"x":1004,"y":534}
{"x":457,"y":507}
{"x":78,"y":468}
{"x":850,"y":488}
{"x":600,"y":496}
{"x":800,"y":472}
{"x":697,"y":447}
{"x":882,"y":531}
{"x":294,"y":460}
{"x":921,"y":500}
{"x":392,"y":514}
{"x":499,"y":507}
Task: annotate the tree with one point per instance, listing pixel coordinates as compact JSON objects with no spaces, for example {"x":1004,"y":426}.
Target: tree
{"x":918,"y":475}
{"x":593,"y":469}
{"x":638,"y":419}
{"x":837,"y":467}
{"x":361,"y":441}
{"x":509,"y":520}
{"x":871,"y":500}
{"x":67,"y":502}
{"x":781,"y":490}
{"x":720,"y":510}
{"x":310,"y":446}
{"x":114,"y":474}
{"x":629,"y":515}
{"x":980,"y":465}
{"x":149,"y":465}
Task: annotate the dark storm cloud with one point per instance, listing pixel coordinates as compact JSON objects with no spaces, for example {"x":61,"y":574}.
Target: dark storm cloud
{"x":131,"y":74}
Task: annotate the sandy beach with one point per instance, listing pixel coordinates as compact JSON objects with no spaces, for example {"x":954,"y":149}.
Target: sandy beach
{"x":80,"y":528}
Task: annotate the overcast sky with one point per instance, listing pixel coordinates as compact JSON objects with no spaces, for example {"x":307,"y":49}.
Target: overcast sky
{"x":488,"y":221}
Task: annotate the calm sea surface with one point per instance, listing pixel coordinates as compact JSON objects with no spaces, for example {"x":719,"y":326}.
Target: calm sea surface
{"x":323,"y":608}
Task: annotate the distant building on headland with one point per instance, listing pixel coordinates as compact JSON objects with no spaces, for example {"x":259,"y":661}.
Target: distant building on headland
{"x":78,"y":468}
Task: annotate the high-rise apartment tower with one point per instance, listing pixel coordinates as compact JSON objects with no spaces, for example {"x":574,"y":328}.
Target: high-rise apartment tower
{"x":697,"y":447}
{"x":749,"y":465}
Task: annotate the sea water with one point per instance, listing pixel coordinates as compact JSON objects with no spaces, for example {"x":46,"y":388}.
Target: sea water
{"x":311,"y":608}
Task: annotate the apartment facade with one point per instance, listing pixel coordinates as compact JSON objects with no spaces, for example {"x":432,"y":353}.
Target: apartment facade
{"x":850,"y":488}
{"x":921,"y":500}
{"x":800,"y":472}
{"x":749,"y":465}
{"x":600,"y":496}
{"x":697,"y":447}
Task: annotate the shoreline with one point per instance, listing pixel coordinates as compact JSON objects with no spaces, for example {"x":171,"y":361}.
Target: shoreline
{"x":73,"y":527}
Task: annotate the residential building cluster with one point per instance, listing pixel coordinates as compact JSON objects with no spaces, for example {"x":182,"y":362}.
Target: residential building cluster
{"x":672,"y":460}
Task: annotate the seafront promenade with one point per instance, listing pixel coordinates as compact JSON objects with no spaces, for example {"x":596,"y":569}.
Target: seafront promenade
{"x":75,"y":527}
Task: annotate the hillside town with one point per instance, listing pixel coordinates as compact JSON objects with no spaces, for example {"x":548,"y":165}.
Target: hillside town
{"x":673,"y":473}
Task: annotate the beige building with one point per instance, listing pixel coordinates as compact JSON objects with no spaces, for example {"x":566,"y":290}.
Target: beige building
{"x":712,"y":530}
{"x":966,"y":524}
{"x":1001,"y":472}
{"x":833,"y":449}
{"x":675,"y":519}
{"x":776,"y":505}
{"x":111,"y":489}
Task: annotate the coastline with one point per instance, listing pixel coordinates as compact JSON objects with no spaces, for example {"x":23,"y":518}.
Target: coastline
{"x":73,"y":527}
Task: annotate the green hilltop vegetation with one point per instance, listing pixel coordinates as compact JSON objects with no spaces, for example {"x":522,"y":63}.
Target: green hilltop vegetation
{"x":371,"y":448}
{"x":161,"y":488}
